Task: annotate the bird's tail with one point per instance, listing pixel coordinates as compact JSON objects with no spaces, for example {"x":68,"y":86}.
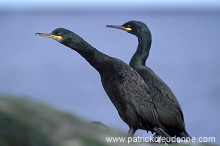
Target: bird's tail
{"x":185,"y":135}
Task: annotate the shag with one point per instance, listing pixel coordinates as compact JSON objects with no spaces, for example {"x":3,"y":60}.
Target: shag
{"x":168,"y":108}
{"x":124,"y":86}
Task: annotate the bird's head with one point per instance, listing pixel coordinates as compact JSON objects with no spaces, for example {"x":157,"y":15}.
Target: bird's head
{"x":136,"y":28}
{"x":63,"y":36}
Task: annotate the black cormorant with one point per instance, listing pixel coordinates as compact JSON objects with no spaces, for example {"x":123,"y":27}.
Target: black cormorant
{"x":169,"y":110}
{"x":124,"y":86}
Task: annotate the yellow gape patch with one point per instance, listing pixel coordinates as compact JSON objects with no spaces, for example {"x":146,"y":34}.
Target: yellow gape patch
{"x":55,"y":37}
{"x":128,"y":29}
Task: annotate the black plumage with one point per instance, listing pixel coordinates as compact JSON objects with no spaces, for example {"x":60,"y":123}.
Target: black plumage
{"x":169,"y":110}
{"x":124,"y":86}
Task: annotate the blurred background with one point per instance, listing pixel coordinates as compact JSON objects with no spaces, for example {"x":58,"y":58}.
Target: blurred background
{"x":185,"y":53}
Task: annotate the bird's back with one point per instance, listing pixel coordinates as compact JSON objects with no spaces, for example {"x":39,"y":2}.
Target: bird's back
{"x":168,"y":107}
{"x":129,"y":93}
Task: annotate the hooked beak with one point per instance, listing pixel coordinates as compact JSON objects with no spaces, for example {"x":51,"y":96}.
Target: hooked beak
{"x":49,"y":36}
{"x":119,"y":27}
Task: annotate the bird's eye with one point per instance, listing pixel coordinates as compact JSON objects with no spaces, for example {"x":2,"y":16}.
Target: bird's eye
{"x":128,"y":26}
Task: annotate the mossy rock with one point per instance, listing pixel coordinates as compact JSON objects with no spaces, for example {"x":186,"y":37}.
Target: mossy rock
{"x":28,"y":123}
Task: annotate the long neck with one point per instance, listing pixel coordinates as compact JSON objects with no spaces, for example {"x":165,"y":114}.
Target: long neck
{"x":140,"y":56}
{"x":93,"y":56}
